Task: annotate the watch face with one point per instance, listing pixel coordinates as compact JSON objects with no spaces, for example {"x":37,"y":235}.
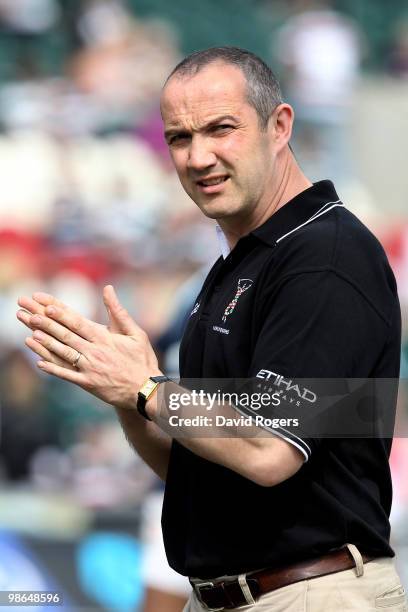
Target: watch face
{"x":148,"y":387}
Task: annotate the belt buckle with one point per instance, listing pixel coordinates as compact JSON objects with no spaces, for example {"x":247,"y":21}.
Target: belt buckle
{"x":242,"y":582}
{"x":198,"y":586}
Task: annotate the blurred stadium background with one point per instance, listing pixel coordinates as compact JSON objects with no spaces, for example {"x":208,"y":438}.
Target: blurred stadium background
{"x":88,"y":196}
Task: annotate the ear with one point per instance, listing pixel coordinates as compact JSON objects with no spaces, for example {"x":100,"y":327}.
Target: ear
{"x":280,"y":124}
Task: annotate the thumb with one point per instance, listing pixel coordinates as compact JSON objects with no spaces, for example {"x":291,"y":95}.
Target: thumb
{"x":119,"y":319}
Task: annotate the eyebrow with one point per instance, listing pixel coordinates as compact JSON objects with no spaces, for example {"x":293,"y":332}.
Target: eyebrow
{"x":173,"y":131}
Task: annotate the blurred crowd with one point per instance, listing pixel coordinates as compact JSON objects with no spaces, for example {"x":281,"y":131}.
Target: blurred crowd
{"x":89,"y":197}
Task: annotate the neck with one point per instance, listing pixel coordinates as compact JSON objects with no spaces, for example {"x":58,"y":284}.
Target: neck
{"x":292,"y":182}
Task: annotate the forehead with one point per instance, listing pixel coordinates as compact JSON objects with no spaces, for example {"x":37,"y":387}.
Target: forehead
{"x":217,"y":88}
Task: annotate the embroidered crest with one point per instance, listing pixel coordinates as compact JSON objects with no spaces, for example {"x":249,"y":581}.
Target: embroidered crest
{"x":243,"y":285}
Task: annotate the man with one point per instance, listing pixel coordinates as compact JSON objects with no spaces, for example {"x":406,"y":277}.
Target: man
{"x":302,"y":290}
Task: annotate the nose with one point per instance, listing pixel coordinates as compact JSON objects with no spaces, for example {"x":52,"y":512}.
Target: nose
{"x":201,"y":156}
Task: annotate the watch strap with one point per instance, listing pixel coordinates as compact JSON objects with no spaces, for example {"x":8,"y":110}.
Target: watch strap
{"x":159,"y":379}
{"x":142,"y":399}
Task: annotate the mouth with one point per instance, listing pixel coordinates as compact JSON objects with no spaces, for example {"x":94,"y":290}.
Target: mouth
{"x":212,"y":184}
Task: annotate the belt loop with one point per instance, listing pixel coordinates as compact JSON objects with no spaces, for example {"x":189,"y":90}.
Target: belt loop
{"x":358,"y":560}
{"x":245,"y":589}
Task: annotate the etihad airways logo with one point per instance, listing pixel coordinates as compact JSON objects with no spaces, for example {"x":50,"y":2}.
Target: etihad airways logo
{"x":243,"y":285}
{"x":287,"y":385}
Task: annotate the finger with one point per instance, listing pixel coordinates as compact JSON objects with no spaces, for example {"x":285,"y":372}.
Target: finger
{"x":24,"y":317}
{"x":76,"y":323}
{"x":118,"y":315}
{"x":58,"y":332}
{"x":67,"y":354}
{"x":46,"y":299}
{"x":113,"y":324}
{"x":60,"y":372}
{"x":45,"y":354}
{"x":30,"y":305}
{"x":56,"y":309}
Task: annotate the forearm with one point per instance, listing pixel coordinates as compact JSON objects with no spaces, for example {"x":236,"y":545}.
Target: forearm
{"x":266,"y":461}
{"x":249,"y":450}
{"x":242,"y":455}
{"x":150,"y":443}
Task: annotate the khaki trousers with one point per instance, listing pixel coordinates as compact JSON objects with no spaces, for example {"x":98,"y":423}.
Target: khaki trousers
{"x":365,"y":588}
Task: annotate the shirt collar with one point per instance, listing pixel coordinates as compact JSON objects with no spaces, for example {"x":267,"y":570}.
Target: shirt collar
{"x":223,"y":242}
{"x":296,"y":212}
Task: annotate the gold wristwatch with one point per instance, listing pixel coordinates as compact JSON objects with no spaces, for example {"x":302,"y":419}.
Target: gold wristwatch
{"x":146,"y":391}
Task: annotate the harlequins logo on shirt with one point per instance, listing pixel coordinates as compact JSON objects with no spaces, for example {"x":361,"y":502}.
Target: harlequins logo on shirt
{"x":243,"y":285}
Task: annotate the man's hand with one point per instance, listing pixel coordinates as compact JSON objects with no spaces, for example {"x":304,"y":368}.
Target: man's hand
{"x":114,"y":361}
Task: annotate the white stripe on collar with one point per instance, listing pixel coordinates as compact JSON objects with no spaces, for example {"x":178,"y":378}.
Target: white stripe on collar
{"x":322,"y":211}
{"x":223,"y":242}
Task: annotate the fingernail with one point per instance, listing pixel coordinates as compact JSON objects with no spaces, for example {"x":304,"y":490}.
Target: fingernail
{"x":40,"y":364}
{"x":50,"y":310}
{"x":36,"y":320}
{"x":37,"y":335}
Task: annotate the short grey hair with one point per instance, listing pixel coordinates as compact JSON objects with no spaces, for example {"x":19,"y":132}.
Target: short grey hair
{"x":263,"y":89}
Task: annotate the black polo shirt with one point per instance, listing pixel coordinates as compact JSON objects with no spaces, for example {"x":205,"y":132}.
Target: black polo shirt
{"x":308,"y":294}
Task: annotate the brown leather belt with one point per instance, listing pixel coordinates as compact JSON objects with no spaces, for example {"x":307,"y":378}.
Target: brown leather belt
{"x":226,"y":594}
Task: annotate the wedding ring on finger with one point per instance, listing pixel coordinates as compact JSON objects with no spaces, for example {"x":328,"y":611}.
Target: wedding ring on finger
{"x":76,"y":360}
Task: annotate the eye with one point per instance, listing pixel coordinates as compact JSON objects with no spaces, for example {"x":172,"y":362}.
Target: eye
{"x":178,"y":139}
{"x":222,"y":128}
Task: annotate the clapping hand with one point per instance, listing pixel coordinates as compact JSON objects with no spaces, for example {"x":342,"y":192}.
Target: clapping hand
{"x":111,"y":362}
